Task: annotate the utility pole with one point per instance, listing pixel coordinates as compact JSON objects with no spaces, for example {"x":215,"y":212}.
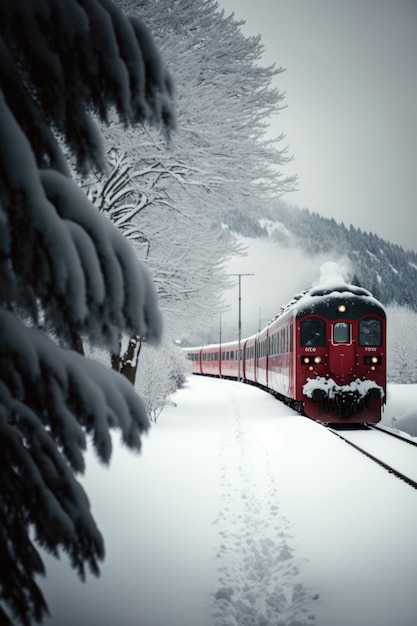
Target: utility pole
{"x":220,"y":345}
{"x":239,"y":356}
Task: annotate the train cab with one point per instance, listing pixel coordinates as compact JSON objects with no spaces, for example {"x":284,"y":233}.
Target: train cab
{"x":324,"y":355}
{"x":341,"y":357}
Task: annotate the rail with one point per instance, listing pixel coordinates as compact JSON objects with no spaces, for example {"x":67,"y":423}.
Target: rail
{"x":392,"y":470}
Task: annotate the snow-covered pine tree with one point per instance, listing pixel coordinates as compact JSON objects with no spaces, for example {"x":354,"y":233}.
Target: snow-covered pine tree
{"x":65,"y":272}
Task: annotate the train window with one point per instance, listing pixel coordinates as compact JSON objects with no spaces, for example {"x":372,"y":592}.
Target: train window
{"x":313,"y":332}
{"x":341,"y":332}
{"x":370,"y":332}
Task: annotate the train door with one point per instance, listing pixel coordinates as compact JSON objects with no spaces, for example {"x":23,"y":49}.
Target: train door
{"x":342,"y":354}
{"x":262,"y":359}
{"x":292,"y":360}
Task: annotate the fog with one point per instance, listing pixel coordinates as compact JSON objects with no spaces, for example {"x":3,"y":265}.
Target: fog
{"x":350,"y":89}
{"x":278,"y":274}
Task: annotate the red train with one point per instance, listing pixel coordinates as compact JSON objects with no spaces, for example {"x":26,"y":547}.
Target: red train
{"x":324,"y":355}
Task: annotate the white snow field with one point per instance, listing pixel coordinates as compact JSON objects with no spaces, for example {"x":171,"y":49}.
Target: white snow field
{"x":239,"y":512}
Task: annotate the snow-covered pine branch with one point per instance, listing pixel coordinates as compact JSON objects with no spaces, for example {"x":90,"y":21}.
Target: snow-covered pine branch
{"x":65,"y":272}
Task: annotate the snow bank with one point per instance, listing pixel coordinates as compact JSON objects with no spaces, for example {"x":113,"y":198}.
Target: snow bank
{"x":401,"y":410}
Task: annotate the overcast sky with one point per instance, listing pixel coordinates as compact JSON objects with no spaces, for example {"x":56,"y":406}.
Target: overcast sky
{"x":351,"y":96}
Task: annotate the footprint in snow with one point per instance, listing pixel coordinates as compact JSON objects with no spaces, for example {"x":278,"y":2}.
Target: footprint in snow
{"x":259,"y":580}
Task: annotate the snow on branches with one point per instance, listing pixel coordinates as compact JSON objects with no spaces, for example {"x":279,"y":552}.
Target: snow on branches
{"x":76,"y":58}
{"x":65,"y":273}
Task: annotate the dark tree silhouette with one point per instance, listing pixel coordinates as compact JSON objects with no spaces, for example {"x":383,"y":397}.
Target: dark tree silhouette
{"x":65,"y":273}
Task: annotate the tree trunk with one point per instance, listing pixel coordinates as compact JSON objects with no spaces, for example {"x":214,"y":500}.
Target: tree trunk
{"x":130,"y":359}
{"x":127,"y":363}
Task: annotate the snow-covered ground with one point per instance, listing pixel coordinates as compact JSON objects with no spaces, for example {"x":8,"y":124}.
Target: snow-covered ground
{"x":241,"y":513}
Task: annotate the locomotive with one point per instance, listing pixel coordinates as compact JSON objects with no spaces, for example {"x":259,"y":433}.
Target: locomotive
{"x":323,"y":355}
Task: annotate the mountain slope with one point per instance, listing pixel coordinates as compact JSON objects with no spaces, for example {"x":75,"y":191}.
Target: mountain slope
{"x":385,"y":269}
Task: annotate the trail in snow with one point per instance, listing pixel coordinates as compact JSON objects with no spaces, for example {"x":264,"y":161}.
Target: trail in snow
{"x":258,"y":575}
{"x":240,"y":512}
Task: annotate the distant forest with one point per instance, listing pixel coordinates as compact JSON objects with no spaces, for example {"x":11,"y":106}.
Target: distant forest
{"x":385,"y":269}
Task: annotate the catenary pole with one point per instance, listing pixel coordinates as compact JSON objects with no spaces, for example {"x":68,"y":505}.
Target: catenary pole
{"x":239,"y":355}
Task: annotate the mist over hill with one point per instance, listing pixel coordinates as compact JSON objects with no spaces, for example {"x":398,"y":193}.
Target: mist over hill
{"x":385,"y":269}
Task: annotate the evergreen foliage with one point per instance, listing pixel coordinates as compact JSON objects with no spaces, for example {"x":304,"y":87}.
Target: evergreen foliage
{"x":65,"y":273}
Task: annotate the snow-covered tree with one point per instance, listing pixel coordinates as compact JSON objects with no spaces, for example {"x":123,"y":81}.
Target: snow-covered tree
{"x":225,"y":103}
{"x":65,"y":273}
{"x":176,"y":239}
{"x":401,"y":344}
{"x":171,"y":199}
{"x":161,"y":374}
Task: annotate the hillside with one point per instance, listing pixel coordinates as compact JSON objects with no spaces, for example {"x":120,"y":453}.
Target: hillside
{"x":385,"y":269}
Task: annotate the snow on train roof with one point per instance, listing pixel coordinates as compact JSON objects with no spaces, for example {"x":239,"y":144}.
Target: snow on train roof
{"x":330,"y":284}
{"x":334,"y":286}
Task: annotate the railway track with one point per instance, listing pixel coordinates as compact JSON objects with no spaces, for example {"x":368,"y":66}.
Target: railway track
{"x":382,"y":429}
{"x":396,"y":454}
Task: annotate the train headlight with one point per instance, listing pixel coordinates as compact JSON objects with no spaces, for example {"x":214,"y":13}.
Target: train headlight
{"x":317,"y":359}
{"x":372,"y":360}
{"x":306,"y":360}
{"x":341,"y":308}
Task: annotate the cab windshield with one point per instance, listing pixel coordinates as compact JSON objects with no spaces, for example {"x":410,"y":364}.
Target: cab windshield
{"x":341,"y":332}
{"x":313,"y":332}
{"x":370,"y":332}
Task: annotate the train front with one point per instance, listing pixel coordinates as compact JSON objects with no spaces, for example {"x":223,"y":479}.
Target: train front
{"x":341,"y":356}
